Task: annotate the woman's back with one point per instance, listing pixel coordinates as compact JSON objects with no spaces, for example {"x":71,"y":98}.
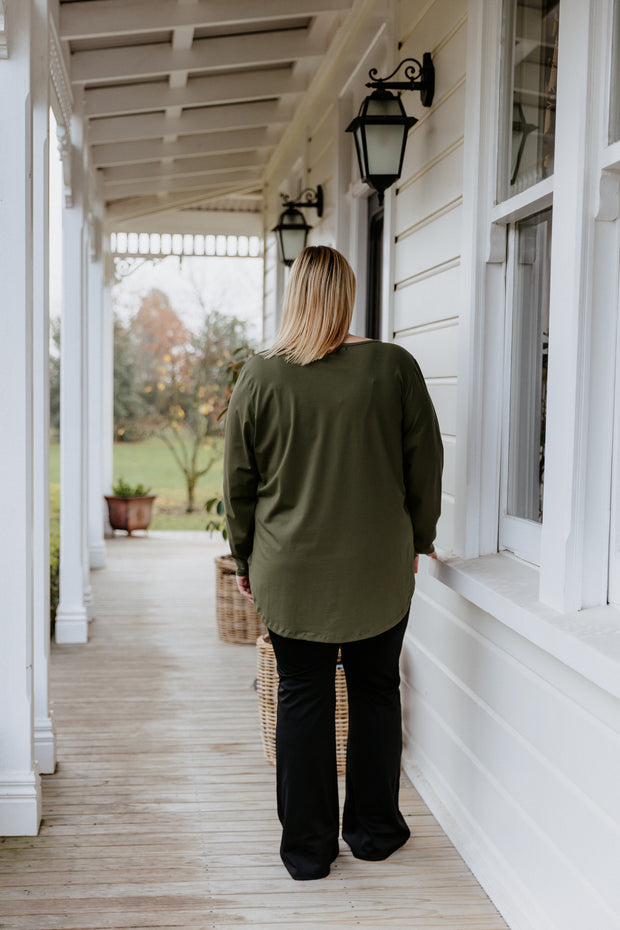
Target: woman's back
{"x":331,"y":454}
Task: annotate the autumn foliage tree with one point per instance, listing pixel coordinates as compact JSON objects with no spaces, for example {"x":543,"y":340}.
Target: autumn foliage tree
{"x":183,"y":381}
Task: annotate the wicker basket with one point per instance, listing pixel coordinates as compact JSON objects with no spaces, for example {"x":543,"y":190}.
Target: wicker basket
{"x":237,"y":620}
{"x":268,"y":703}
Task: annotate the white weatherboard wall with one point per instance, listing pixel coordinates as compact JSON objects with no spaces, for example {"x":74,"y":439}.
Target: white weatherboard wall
{"x":428,"y":219}
{"x":516,"y":753}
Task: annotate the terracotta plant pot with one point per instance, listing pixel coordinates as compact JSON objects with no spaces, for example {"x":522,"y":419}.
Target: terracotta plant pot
{"x":130,"y":513}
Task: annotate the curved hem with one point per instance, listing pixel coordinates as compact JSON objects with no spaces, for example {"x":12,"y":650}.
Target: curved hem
{"x":311,"y":637}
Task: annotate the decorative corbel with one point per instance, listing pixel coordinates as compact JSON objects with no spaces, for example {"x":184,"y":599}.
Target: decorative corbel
{"x":4,"y":43}
{"x":59,"y":75}
{"x":608,"y":196}
{"x":64,"y":148}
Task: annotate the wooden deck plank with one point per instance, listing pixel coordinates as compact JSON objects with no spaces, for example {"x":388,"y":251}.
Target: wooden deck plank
{"x":162,"y":811}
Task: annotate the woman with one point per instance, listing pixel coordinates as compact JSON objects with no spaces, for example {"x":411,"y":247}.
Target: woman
{"x":332,"y":485}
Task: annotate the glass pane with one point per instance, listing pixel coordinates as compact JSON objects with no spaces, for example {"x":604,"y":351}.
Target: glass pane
{"x":384,"y":147}
{"x":530,"y":83}
{"x":614,"y":115}
{"x":292,"y":242}
{"x":528,"y":367}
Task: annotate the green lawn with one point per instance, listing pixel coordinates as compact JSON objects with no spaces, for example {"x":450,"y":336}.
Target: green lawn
{"x":151,"y":463}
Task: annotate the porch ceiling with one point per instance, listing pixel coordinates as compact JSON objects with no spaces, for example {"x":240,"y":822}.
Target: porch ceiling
{"x":185,"y":100}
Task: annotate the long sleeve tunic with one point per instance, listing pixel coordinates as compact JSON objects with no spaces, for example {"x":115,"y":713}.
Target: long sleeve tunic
{"x":332,"y":484}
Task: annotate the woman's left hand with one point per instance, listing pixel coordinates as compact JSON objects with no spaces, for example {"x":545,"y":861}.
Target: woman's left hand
{"x":243,"y":583}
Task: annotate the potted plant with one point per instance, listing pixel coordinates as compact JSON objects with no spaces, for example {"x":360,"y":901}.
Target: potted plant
{"x":129,"y":506}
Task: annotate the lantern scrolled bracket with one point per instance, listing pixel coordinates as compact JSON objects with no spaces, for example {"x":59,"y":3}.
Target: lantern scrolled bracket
{"x":419,"y":76}
{"x":309,"y":197}
{"x":292,"y":229}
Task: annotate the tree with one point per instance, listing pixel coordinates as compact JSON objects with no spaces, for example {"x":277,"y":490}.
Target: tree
{"x":54,"y":372}
{"x":129,"y":406}
{"x":161,"y":340}
{"x":196,"y":392}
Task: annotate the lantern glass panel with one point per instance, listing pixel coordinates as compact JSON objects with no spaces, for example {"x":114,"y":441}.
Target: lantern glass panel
{"x":358,"y":135}
{"x":292,"y":241}
{"x":385,"y":144}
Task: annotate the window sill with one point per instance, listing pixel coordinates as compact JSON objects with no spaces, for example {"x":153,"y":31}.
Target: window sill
{"x":588,"y":641}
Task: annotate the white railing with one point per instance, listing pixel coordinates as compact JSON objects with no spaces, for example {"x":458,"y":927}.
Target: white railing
{"x":158,"y":245}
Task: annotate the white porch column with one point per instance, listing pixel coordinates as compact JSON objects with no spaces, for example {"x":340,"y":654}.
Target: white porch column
{"x":20,"y":792}
{"x":96,"y":545}
{"x":85,"y":451}
{"x":72,"y":615}
{"x":43,"y":725}
{"x":107,"y":357}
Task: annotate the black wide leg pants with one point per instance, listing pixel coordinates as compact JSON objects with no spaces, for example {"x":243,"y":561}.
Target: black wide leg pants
{"x":307,"y":784}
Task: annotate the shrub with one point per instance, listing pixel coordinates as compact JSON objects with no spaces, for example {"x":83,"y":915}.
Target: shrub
{"x":123,"y":489}
{"x":54,"y":550}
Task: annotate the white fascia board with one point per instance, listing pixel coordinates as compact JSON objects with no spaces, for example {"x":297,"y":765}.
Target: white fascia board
{"x":229,"y":52}
{"x":135,"y":207}
{"x":197,"y":182}
{"x":199,"y":91}
{"x":196,"y":222}
{"x":98,"y":18}
{"x":209,"y":143}
{"x":185,"y":167}
{"x":199,"y":120}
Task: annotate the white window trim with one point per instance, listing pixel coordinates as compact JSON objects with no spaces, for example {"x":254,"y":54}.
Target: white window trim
{"x":580,"y":397}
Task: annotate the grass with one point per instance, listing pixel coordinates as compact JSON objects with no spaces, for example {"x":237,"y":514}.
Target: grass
{"x":151,"y":463}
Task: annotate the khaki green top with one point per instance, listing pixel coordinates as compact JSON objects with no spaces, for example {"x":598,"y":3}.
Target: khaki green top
{"x":332,"y":479}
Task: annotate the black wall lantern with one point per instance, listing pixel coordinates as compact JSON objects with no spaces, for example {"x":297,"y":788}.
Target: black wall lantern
{"x":381,"y":126}
{"x":292,"y":229}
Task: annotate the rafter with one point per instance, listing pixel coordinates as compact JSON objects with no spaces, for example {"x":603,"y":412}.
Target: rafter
{"x":132,"y":153}
{"x":186,"y":166}
{"x":203,"y":119}
{"x":194,"y":182}
{"x":200,"y":91}
{"x":229,"y":52}
{"x":97,"y":18}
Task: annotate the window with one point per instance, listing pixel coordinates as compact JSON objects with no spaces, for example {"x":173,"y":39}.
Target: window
{"x":529,"y":90}
{"x":526,"y":369}
{"x":526,"y":159}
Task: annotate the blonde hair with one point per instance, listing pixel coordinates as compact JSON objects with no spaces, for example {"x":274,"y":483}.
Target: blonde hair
{"x":318,"y":306}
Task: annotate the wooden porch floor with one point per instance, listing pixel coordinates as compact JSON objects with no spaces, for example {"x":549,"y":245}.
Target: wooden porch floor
{"x":162,"y":811}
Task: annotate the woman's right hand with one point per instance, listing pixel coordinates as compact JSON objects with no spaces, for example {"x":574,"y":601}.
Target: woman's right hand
{"x":243,"y":583}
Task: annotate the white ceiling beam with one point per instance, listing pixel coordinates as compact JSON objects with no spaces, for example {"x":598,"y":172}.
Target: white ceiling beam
{"x":210,"y":143}
{"x":146,"y":206}
{"x":230,"y":52}
{"x":198,"y":182}
{"x":182,"y":39}
{"x":203,"y":119}
{"x":98,"y":18}
{"x":200,"y":91}
{"x":186,"y":166}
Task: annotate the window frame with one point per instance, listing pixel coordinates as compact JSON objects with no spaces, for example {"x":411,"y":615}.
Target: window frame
{"x":575,"y":539}
{"x":517,"y":535}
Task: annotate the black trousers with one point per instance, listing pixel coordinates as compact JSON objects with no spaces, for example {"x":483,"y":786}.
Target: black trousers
{"x":307,"y":783}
